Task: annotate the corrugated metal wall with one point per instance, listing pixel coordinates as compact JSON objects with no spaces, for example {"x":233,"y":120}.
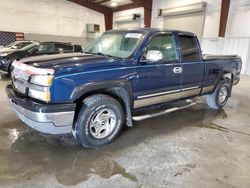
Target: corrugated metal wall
{"x":239,"y":46}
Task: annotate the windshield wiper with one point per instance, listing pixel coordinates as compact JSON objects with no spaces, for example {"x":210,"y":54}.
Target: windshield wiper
{"x":102,"y":54}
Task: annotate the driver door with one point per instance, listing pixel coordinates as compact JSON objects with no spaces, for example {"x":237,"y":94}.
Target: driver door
{"x":158,"y":81}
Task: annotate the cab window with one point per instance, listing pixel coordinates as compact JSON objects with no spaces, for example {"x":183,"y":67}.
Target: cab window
{"x":166,"y":44}
{"x":190,"y":51}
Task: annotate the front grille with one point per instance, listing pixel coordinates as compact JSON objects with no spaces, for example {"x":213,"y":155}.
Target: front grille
{"x":20,"y":80}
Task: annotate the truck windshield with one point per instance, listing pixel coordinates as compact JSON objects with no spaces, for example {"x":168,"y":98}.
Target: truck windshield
{"x":119,"y":45}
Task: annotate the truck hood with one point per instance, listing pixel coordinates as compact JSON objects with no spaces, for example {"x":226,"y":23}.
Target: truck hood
{"x":67,"y":61}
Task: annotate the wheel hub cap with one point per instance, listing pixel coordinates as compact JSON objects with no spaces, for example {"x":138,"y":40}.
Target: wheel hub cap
{"x":103,"y":123}
{"x":223,"y":94}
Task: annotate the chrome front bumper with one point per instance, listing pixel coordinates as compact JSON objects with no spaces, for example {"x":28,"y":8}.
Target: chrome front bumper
{"x":51,"y":123}
{"x":45,"y":118}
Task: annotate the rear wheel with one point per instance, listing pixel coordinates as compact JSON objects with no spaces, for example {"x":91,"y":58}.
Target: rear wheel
{"x":219,"y":97}
{"x":99,"y":121}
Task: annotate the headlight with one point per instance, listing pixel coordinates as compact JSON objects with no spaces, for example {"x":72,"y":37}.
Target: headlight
{"x":42,"y":80}
{"x":40,"y":87}
{"x":40,"y":95}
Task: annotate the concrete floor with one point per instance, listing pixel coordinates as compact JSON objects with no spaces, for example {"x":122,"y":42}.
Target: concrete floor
{"x":195,"y":147}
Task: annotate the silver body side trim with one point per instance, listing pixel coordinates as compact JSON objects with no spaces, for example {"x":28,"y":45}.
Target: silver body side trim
{"x":190,"y":88}
{"x":51,"y":123}
{"x":157,"y":94}
{"x":207,"y":89}
{"x":165,"y":98}
{"x":167,"y":92}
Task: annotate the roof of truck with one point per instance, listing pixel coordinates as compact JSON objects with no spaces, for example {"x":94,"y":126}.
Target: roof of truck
{"x":152,"y":30}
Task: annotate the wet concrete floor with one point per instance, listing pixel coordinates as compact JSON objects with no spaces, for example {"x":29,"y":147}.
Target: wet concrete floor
{"x":194,"y":147}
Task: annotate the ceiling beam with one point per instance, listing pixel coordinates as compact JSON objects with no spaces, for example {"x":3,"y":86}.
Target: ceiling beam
{"x":148,"y":13}
{"x":92,"y":5}
{"x":225,"y":5}
{"x":103,"y":1}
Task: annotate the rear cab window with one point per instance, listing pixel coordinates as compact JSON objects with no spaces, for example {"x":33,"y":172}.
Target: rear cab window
{"x":189,"y":49}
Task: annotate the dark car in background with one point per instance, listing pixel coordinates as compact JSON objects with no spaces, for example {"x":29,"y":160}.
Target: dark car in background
{"x":15,"y":45}
{"x":35,"y":49}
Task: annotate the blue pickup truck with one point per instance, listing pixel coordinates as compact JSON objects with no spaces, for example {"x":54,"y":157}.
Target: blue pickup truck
{"x":94,"y":94}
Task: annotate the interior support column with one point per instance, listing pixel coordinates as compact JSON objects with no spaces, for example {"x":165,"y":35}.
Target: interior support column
{"x":225,"y":5}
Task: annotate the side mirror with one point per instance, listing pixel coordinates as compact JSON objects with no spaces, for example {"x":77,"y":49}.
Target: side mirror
{"x":154,"y":55}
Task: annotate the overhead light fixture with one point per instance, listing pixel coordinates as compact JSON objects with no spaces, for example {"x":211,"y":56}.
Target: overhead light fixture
{"x":113,"y":4}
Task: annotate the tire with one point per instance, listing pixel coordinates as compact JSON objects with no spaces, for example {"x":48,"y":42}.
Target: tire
{"x":99,"y":121}
{"x":215,"y":100}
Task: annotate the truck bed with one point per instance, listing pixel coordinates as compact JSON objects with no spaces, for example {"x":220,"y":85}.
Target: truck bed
{"x":218,"y":57}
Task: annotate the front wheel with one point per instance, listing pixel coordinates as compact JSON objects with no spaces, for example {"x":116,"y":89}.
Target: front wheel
{"x":99,"y":121}
{"x":219,"y":97}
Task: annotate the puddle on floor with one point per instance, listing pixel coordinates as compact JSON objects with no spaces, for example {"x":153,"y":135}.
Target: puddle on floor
{"x":32,"y":154}
{"x":221,"y":128}
{"x":83,"y":168}
{"x":211,"y":115}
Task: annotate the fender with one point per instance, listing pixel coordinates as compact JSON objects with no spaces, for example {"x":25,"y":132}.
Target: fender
{"x":121,"y":89}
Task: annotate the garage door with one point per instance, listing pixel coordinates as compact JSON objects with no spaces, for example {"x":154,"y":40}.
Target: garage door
{"x":129,"y":25}
{"x":191,"y":22}
{"x":186,"y":18}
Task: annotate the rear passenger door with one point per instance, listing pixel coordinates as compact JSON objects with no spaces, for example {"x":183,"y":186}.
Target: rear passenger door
{"x":192,"y":65}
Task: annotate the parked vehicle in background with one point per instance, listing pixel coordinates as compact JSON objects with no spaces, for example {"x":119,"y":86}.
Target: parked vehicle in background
{"x":15,"y":45}
{"x":35,"y":49}
{"x":122,"y":73}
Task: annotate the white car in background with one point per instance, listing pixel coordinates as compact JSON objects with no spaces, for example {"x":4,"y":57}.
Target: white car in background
{"x":15,"y":45}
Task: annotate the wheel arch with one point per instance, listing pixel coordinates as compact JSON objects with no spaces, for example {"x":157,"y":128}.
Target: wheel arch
{"x":226,"y":75}
{"x":121,"y":90}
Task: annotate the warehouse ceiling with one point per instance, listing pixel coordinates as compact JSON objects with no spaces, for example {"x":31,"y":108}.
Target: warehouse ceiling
{"x":113,"y":3}
{"x":108,"y":6}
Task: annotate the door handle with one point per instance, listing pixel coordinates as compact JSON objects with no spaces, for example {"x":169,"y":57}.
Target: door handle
{"x":177,"y":70}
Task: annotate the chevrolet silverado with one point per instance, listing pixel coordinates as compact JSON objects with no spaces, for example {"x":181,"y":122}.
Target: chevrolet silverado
{"x":123,"y":72}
